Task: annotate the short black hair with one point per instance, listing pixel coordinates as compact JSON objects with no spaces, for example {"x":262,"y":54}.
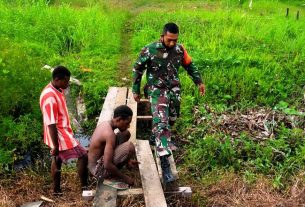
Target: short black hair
{"x":122,"y":111}
{"x":60,"y":72}
{"x":171,"y":28}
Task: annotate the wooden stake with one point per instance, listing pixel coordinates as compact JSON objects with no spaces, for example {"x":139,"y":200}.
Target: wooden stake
{"x":287,"y":12}
{"x":47,"y":199}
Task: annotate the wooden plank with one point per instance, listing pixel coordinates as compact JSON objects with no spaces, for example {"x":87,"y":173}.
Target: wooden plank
{"x":184,"y":191}
{"x":133,"y":125}
{"x":152,"y":188}
{"x":158,"y":162}
{"x":131,"y":191}
{"x":105,"y":196}
{"x":121,"y":96}
{"x":173,"y":166}
{"x":32,"y":204}
{"x":109,"y":105}
{"x":144,"y":117}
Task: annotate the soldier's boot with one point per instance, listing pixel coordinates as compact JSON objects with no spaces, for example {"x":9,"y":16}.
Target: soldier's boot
{"x":166,"y":170}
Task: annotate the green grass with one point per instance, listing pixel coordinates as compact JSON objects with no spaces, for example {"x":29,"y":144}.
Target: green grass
{"x":35,"y":34}
{"x":247,"y":58}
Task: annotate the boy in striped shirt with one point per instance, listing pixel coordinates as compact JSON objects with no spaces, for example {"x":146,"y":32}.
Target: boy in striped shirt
{"x":58,"y":134}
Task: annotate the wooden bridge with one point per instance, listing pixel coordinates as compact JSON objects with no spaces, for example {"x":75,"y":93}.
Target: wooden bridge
{"x":150,"y":170}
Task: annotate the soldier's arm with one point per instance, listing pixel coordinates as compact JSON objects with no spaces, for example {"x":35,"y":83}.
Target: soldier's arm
{"x":192,"y":70}
{"x":138,"y":70}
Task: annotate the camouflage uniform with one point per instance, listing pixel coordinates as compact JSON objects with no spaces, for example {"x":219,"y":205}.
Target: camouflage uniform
{"x":163,"y":86}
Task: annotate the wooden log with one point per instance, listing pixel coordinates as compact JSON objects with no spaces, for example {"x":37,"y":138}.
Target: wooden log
{"x":152,"y":188}
{"x":287,"y":12}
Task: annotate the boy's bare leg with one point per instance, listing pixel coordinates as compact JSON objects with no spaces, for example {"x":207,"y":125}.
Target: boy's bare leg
{"x":56,"y":174}
{"x":82,"y":170}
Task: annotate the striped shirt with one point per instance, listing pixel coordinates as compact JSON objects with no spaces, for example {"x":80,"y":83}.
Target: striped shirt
{"x":54,"y":110}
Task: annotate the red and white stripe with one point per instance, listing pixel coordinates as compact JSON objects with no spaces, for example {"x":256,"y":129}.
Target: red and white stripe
{"x":54,"y":110}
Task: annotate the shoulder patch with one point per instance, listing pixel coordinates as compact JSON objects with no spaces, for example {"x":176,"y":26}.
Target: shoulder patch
{"x":186,"y":57}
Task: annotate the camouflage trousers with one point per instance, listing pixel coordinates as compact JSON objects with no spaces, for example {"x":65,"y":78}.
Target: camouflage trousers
{"x":165,"y":108}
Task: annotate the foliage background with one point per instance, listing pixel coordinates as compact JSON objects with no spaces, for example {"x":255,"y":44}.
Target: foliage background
{"x":37,"y":33}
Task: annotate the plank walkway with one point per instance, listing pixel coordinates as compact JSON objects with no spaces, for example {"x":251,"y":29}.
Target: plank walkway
{"x":151,"y":176}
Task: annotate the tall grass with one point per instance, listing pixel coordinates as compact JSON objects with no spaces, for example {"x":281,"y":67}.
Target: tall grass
{"x":247,"y":57}
{"x":32,"y":34}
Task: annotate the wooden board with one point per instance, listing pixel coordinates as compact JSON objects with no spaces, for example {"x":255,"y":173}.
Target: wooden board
{"x":152,"y":188}
{"x":173,"y":167}
{"x":133,"y":125}
{"x":109,"y":105}
{"x":121,"y":96}
{"x":149,"y":117}
{"x":183,"y":191}
{"x":131,"y":191}
{"x":32,"y":204}
{"x":105,"y":196}
{"x":158,"y":162}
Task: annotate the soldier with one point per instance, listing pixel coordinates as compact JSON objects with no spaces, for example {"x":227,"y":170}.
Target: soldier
{"x":162,"y":60}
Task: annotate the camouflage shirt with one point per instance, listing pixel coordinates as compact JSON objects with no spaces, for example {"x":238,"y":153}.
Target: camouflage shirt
{"x":162,"y":66}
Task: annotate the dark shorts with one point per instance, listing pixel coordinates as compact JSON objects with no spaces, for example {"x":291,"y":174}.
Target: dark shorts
{"x":75,"y":152}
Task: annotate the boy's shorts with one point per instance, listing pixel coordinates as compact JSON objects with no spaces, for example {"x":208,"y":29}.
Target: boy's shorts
{"x":75,"y":152}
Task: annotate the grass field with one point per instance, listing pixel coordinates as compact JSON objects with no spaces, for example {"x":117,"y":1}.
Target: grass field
{"x":249,"y":125}
{"x":86,"y":40}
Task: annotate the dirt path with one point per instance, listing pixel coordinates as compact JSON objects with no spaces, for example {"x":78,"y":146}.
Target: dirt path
{"x":125,"y":64}
{"x":124,"y":67}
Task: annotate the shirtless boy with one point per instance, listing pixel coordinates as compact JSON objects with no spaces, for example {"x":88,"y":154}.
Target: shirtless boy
{"x":109,"y":151}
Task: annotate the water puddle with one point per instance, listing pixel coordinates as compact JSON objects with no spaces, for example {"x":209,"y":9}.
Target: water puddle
{"x":83,"y":138}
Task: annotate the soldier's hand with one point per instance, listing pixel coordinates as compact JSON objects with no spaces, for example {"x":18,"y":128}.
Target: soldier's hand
{"x":137,"y":97}
{"x":202,"y":89}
